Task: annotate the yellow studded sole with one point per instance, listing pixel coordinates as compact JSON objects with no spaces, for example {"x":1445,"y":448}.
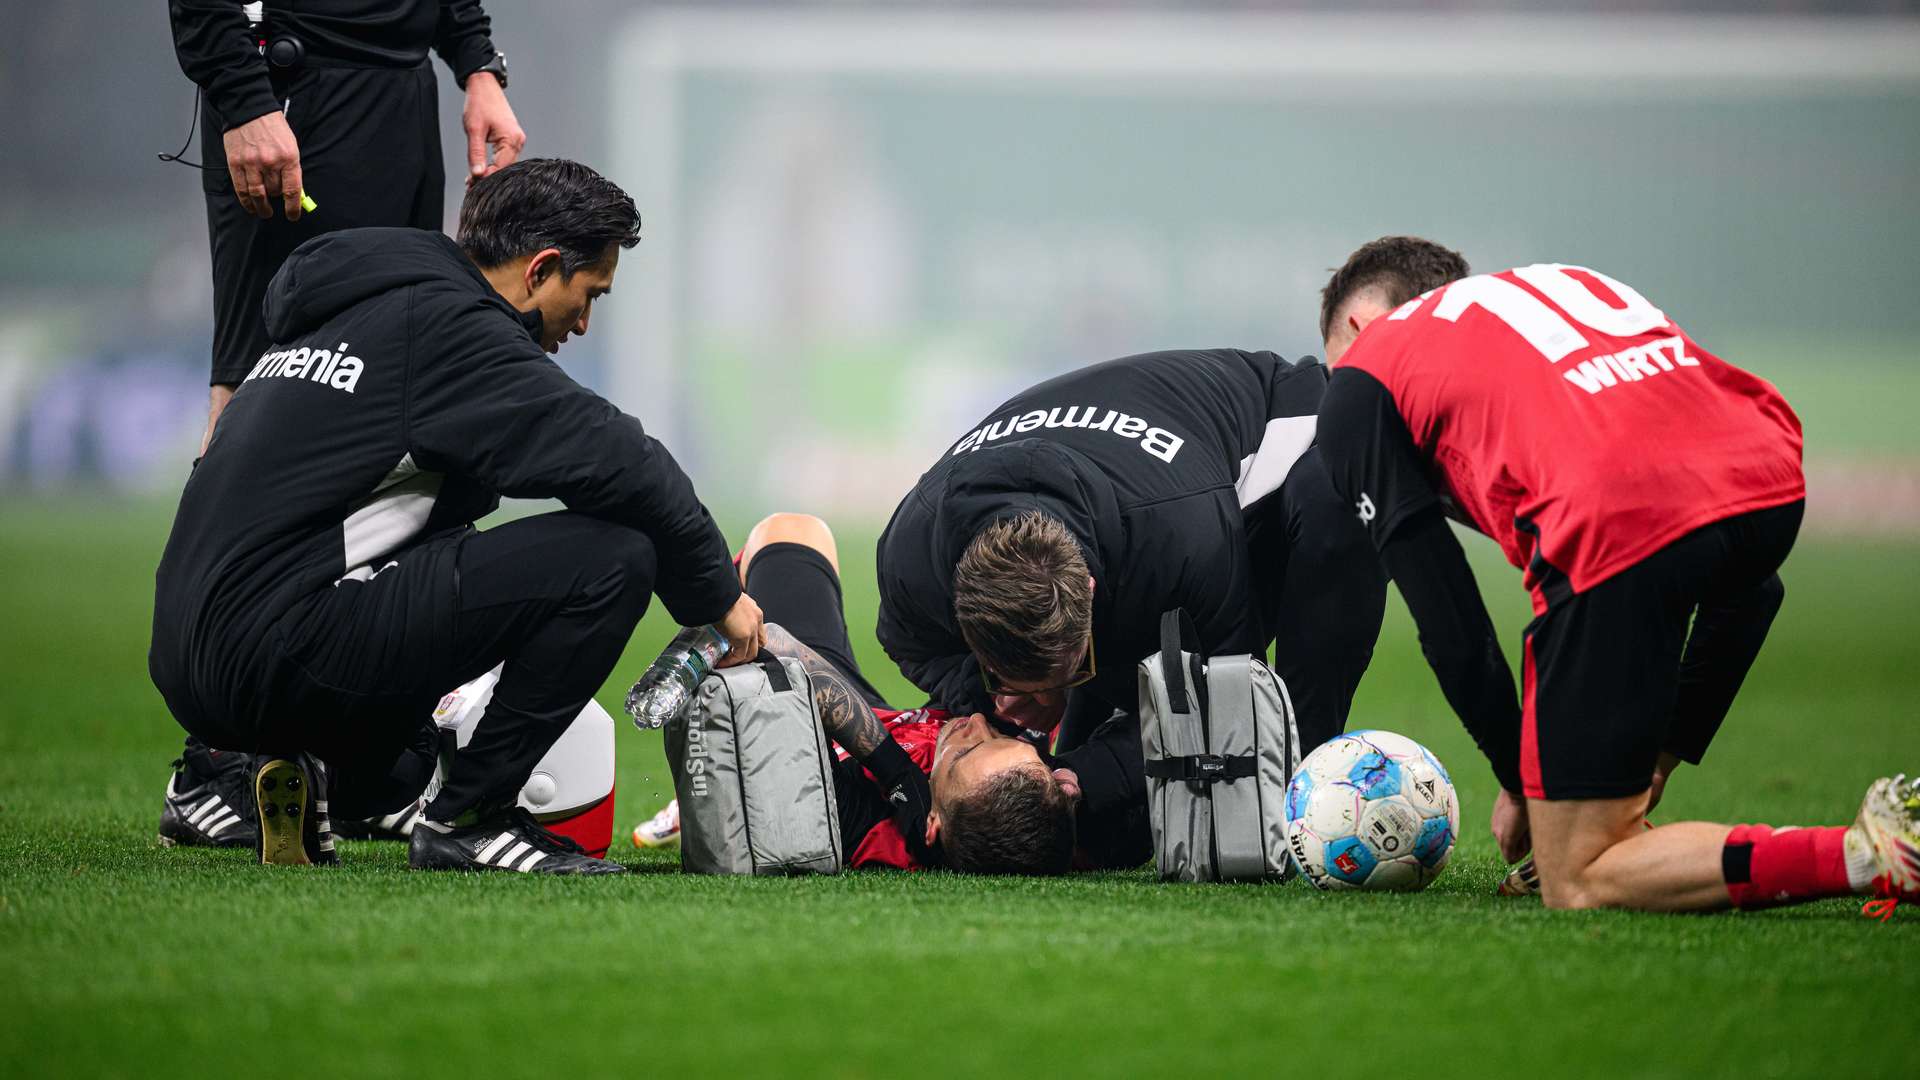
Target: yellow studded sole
{"x":281,"y":796}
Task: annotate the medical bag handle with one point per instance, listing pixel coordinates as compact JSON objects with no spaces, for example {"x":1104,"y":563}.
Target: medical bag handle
{"x":1178,"y":636}
{"x":776,"y":671}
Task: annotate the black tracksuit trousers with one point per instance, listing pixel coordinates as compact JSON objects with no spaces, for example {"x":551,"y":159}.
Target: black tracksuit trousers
{"x":352,"y":673}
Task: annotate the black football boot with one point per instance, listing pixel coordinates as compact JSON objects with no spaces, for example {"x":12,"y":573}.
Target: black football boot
{"x":394,"y":826}
{"x":503,"y":839}
{"x":209,"y":800}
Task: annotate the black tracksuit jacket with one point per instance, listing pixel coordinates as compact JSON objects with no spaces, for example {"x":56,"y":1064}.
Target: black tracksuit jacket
{"x":403,"y":398}
{"x":221,"y":54}
{"x":1152,"y":461}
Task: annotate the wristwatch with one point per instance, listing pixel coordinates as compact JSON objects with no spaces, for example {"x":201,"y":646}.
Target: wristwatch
{"x":496,"y":67}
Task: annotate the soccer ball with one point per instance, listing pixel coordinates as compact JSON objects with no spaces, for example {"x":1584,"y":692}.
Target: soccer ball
{"x":1371,"y":810}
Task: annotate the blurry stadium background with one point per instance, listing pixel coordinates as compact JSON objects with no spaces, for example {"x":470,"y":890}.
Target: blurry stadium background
{"x":865,"y":223}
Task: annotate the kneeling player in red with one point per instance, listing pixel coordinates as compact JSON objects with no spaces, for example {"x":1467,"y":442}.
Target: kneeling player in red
{"x":914,"y":788}
{"x":1643,"y":485}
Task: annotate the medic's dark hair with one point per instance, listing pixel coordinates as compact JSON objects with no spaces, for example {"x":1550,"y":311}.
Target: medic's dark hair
{"x":1402,"y":267}
{"x":542,"y":203}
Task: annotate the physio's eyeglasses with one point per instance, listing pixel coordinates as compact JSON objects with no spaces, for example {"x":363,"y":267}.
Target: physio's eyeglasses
{"x":1081,"y":677}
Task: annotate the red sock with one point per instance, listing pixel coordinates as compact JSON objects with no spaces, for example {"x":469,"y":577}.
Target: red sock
{"x":1766,"y":869}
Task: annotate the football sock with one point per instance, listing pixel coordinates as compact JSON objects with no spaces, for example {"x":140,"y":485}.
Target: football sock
{"x":1767,"y":867}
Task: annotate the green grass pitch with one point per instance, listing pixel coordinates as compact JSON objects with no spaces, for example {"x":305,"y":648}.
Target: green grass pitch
{"x":118,"y":958}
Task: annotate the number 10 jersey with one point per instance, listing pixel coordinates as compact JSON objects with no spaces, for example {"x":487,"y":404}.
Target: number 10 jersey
{"x":1557,"y":411}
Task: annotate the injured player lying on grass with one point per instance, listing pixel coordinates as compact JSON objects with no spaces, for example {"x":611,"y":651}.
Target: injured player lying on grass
{"x":915,"y":788}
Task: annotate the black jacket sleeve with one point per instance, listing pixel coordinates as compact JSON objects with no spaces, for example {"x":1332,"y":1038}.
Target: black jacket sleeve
{"x":1110,"y":765}
{"x":1113,"y":831}
{"x":1376,"y":468}
{"x":1369,"y":454}
{"x":934,"y":658}
{"x":464,"y":38}
{"x":1457,"y":636}
{"x":1293,"y":388}
{"x":217,"y":51}
{"x":930,"y":652}
{"x":494,"y":407}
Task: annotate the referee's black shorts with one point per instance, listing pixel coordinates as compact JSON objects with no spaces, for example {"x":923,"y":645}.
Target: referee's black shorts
{"x":1649,"y":660}
{"x":369,"y":155}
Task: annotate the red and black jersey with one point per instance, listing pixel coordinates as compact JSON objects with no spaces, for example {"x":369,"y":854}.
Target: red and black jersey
{"x":881,"y":842}
{"x":1557,"y":411}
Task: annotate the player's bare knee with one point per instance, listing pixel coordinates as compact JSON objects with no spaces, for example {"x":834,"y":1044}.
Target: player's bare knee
{"x":1579,"y":887}
{"x":1569,"y":894}
{"x":792,"y":528}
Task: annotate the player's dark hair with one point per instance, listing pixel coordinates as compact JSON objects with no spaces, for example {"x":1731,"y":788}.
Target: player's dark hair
{"x":1021,"y":597}
{"x":1402,"y":267}
{"x":1018,"y":821}
{"x":541,"y":203}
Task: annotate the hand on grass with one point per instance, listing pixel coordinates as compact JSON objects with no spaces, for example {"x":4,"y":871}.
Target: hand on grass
{"x":1510,"y":828}
{"x":1661,"y":771}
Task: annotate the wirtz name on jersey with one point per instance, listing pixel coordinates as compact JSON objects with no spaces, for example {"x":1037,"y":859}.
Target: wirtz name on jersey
{"x":1157,"y":441}
{"x":1631,"y":365}
{"x":328,"y":367}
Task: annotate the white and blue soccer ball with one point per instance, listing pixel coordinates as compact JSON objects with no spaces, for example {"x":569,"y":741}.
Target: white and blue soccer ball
{"x":1371,"y":810}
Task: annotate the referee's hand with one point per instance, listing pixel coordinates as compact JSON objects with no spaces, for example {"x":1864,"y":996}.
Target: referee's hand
{"x":490,"y":124}
{"x":264,"y":161}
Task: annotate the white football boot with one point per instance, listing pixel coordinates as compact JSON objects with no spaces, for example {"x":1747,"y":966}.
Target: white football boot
{"x":661,"y":830}
{"x":1886,"y":836}
{"x":1522,"y":880}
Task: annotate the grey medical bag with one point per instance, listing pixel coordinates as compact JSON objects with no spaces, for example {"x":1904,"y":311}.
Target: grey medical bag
{"x":1220,"y":746}
{"x":754,"y":774}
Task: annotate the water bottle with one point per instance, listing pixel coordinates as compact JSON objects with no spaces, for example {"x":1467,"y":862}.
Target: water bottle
{"x":664,"y":691}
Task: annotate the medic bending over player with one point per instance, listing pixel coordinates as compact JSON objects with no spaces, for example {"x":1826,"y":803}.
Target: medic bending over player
{"x":916,"y":788}
{"x":1025,"y":574}
{"x":1642,"y":484}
